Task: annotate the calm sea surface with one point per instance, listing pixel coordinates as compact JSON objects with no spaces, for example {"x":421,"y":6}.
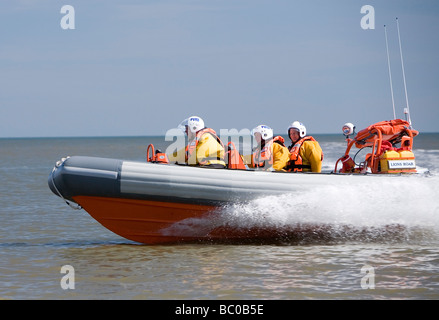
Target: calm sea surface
{"x":39,"y":234}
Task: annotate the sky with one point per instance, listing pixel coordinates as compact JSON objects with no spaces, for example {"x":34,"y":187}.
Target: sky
{"x":138,"y":68}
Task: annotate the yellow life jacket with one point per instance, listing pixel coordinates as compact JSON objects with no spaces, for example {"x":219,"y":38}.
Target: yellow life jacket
{"x":192,"y":146}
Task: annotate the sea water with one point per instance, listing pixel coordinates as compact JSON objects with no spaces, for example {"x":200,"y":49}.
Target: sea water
{"x":376,"y":244}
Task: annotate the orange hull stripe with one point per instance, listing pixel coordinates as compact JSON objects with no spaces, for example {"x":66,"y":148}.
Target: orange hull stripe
{"x":141,"y":220}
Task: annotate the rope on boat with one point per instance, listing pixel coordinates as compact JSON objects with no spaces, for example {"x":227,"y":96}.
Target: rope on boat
{"x":58,"y":164}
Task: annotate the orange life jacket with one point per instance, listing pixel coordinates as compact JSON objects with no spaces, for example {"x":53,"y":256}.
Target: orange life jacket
{"x":296,"y":162}
{"x":234,"y":159}
{"x":264,"y":156}
{"x":192,"y":146}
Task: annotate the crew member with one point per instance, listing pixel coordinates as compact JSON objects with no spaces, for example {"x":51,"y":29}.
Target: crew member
{"x":270,"y":153}
{"x":204,"y":147}
{"x":305,"y":152}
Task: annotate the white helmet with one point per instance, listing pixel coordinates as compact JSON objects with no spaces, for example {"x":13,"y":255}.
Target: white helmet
{"x":194,"y":124}
{"x":348,"y":129}
{"x":265,"y":131}
{"x":299,"y":127}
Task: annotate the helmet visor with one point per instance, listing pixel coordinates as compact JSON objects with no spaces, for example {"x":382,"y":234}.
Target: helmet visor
{"x":183,"y":125}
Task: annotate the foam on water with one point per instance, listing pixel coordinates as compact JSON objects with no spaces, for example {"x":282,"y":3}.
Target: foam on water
{"x":396,"y":209}
{"x":410,"y":202}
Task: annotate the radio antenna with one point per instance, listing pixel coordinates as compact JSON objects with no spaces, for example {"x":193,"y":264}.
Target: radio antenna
{"x":407,"y":109}
{"x":390,"y":73}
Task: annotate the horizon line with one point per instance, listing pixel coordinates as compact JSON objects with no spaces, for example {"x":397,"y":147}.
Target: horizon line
{"x":152,"y":135}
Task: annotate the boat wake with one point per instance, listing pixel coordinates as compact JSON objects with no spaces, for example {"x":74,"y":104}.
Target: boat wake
{"x":391,"y":211}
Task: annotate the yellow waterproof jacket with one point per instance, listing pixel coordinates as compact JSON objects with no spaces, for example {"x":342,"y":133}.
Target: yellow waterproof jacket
{"x":281,"y":156}
{"x":278,"y":157}
{"x":207,"y":151}
{"x":312,"y":155}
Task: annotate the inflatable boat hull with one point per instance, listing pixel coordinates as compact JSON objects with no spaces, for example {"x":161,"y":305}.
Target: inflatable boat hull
{"x":154,"y":203}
